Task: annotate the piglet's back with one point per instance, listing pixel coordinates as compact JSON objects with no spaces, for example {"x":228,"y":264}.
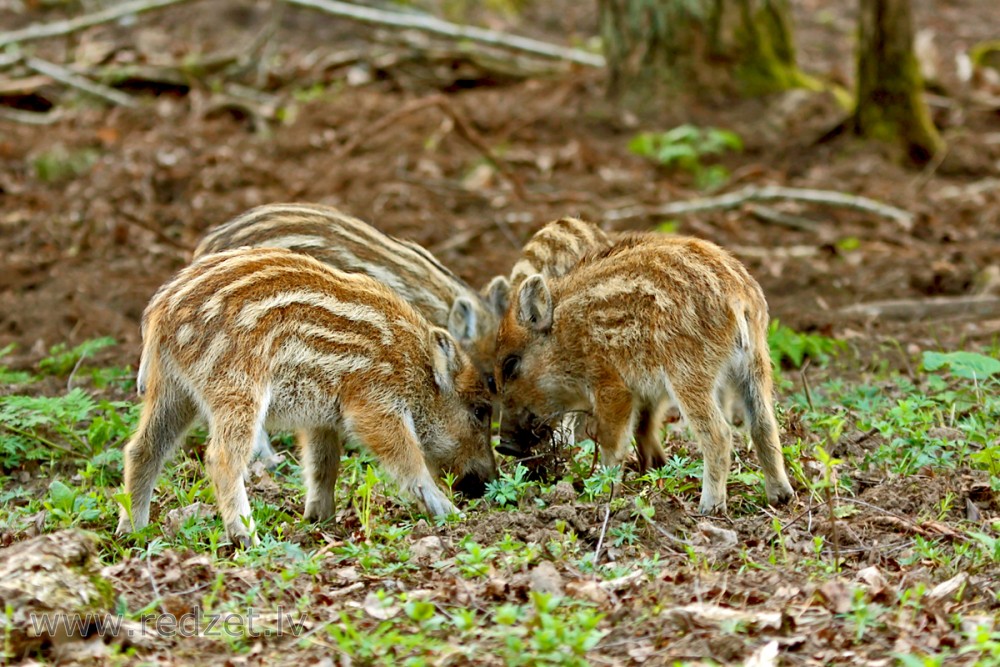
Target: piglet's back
{"x":674,"y":271}
{"x":253,"y":315}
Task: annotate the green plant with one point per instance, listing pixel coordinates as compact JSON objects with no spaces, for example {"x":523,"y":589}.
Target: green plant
{"x":626,"y":533}
{"x":363,"y":500}
{"x":475,"y":560}
{"x":788,"y":345}
{"x":864,"y":615}
{"x":686,"y":148}
{"x":62,"y":360}
{"x":508,"y":488}
{"x":546,"y":632}
{"x":600,"y":483}
{"x":42,"y":427}
{"x":968,"y":365}
{"x":69,"y":507}
{"x":60,"y":164}
{"x":8,"y":376}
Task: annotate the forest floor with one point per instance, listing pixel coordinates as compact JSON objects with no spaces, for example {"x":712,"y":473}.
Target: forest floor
{"x":892,"y":547}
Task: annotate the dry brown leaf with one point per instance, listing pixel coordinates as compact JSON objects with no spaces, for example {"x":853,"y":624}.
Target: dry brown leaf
{"x":703,"y":615}
{"x":765,"y":656}
{"x":947,"y":590}
{"x":836,"y":595}
{"x":375,"y":607}
{"x":588,"y":589}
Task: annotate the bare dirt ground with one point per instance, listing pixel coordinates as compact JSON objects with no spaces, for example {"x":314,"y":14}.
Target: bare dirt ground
{"x":79,"y":261}
{"x":81,"y":255}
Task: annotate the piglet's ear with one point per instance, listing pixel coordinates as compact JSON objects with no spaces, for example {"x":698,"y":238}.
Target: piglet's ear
{"x":462,"y":320}
{"x":534,"y":304}
{"x":497,"y":295}
{"x":445,"y":358}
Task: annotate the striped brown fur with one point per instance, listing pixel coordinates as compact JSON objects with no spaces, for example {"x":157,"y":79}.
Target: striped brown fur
{"x":251,"y":339}
{"x":557,"y":247}
{"x":627,"y":328}
{"x":349,"y":244}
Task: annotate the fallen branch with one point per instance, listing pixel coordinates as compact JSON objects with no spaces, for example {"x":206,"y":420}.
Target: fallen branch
{"x":67,"y":26}
{"x":763,"y":194}
{"x":23,"y":87}
{"x":9,"y":59}
{"x":65,"y":76}
{"x":621,"y":582}
{"x":768,"y":214}
{"x":436,"y":26}
{"x":778,"y":252}
{"x":943,"y":307}
{"x":30,"y":117}
{"x":498,"y":63}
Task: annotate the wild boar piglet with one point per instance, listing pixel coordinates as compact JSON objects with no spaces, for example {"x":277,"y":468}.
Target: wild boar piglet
{"x":348,"y":244}
{"x":250,"y":339}
{"x":649,"y":318}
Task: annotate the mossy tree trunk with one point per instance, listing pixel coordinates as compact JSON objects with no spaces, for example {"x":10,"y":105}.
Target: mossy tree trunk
{"x":742,"y":46}
{"x":890,"y":103}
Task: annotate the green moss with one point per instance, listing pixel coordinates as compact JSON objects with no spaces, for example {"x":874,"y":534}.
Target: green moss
{"x":768,"y":63}
{"x":986,"y":54}
{"x":894,"y":112}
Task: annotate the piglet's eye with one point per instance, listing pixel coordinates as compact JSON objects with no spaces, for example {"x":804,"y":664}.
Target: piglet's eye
{"x":491,"y":383}
{"x":482,"y":412}
{"x":509,"y":367}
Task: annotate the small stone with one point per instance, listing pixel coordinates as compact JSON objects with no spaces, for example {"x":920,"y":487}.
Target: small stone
{"x":948,"y":590}
{"x":718,"y":538}
{"x":497,"y":588}
{"x":587,"y":590}
{"x":378,"y":608}
{"x":946,"y":433}
{"x":546,"y":579}
{"x":348,"y":574}
{"x":427,"y":549}
{"x":874,"y":579}
{"x":562,"y":494}
{"x":176,"y":518}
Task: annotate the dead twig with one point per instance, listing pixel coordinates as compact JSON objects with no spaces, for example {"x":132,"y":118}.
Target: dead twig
{"x":805,"y":383}
{"x":943,"y":307}
{"x":604,"y":527}
{"x":25,"y":86}
{"x":346,"y":590}
{"x":796,"y":518}
{"x":156,"y":231}
{"x":925,"y":529}
{"x":253,"y":55}
{"x":441,"y":28}
{"x":149,"y":571}
{"x":65,"y":76}
{"x":834,"y":528}
{"x":767,"y":193}
{"x":768,"y":214}
{"x":67,"y":26}
{"x":31,"y":117}
{"x":383,"y":123}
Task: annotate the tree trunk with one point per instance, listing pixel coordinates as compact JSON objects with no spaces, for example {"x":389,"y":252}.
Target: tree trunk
{"x":742,"y":46}
{"x":890,"y":104}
